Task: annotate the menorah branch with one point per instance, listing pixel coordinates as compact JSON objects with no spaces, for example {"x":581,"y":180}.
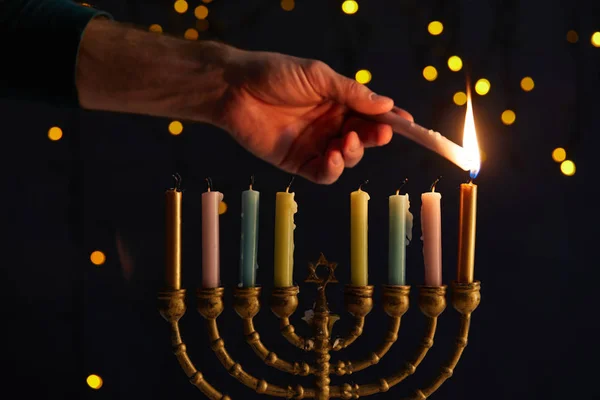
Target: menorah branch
{"x":247,"y":305}
{"x":395,"y":303}
{"x":465,"y":299}
{"x":284,"y":302}
{"x":359,"y":303}
{"x":172,"y":308}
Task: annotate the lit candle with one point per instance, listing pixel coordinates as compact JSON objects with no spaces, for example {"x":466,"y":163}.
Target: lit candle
{"x":173,"y":235}
{"x":468,"y":201}
{"x":431,"y":227}
{"x":285,"y":208}
{"x":359,"y":255}
{"x":400,"y":234}
{"x":210,"y":237}
{"x":249,"y":236}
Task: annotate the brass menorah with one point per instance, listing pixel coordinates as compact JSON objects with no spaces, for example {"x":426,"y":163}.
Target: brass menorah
{"x":358,"y":302}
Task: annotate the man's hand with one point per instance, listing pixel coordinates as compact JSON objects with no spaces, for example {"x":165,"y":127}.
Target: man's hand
{"x":300,"y":115}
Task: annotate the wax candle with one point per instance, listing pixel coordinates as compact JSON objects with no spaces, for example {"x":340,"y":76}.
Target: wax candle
{"x":466,"y":232}
{"x":431,"y":227}
{"x":400,"y":235}
{"x":249,"y":237}
{"x":210,"y":238}
{"x":359,"y":216}
{"x":285,"y":208}
{"x":173,"y":236}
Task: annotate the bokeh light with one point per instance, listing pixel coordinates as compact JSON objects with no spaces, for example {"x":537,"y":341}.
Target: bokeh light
{"x":175,"y":128}
{"x":435,"y":28}
{"x":55,"y":133}
{"x":181,"y":6}
{"x":430,"y":73}
{"x":559,"y":154}
{"x":527,"y":84}
{"x":156,"y":28}
{"x":94,"y":381}
{"x":201,"y":12}
{"x":460,"y":98}
{"x":595,"y":39}
{"x":349,"y":7}
{"x":455,"y":63}
{"x":288,"y":5}
{"x":567,"y":167}
{"x":572,"y":36}
{"x":191,"y":34}
{"x":97,"y":257}
{"x":207,"y":1}
{"x":508,"y":117}
{"x":222,"y":207}
{"x":482,"y":86}
{"x":363,"y":76}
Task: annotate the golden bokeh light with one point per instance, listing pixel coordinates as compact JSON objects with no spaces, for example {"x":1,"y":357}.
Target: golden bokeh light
{"x":202,"y":25}
{"x":222,"y":207}
{"x":349,"y":7}
{"x":460,"y":98}
{"x":175,"y":128}
{"x":572,"y":36}
{"x":455,"y":63}
{"x":201,"y":12}
{"x":435,"y":28}
{"x":482,"y":86}
{"x":55,"y":133}
{"x":191,"y":34}
{"x":207,"y":1}
{"x":181,"y":6}
{"x":363,"y":76}
{"x":288,"y":5}
{"x":567,"y":167}
{"x":97,"y":257}
{"x":595,"y":39}
{"x":508,"y":117}
{"x":430,"y":73}
{"x":156,"y":28}
{"x":94,"y":381}
{"x":559,"y":154}
{"x":527,"y":84}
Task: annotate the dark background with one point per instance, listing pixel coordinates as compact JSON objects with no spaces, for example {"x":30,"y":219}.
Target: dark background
{"x":101,"y":187}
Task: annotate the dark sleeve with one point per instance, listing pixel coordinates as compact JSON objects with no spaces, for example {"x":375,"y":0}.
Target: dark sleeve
{"x":39,"y":42}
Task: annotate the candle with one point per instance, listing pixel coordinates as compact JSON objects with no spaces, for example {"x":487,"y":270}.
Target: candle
{"x":400,"y":234}
{"x":249,"y":237}
{"x":425,"y":137}
{"x":285,"y":208}
{"x":468,"y":201}
{"x":210,"y":237}
{"x":173,"y":235}
{"x":359,"y":215}
{"x":431,"y":227}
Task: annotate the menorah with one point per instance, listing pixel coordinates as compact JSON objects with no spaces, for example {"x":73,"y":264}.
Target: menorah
{"x":465,"y":298}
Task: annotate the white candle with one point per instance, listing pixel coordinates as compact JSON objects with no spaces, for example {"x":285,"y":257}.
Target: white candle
{"x":431,"y":228}
{"x":426,"y":137}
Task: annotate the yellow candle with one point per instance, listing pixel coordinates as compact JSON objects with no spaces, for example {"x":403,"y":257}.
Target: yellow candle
{"x":173,"y":236}
{"x":359,"y":215}
{"x":466,"y":232}
{"x":285,"y":208}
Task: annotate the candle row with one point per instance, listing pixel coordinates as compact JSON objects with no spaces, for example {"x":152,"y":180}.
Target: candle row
{"x":400,"y":234}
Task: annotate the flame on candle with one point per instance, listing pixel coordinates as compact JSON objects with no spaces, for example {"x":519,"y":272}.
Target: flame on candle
{"x":470,"y":140}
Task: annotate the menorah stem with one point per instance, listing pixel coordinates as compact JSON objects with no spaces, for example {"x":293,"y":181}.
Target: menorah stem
{"x":322,"y":334}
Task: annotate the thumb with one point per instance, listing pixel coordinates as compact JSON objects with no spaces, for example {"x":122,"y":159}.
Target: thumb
{"x":354,"y":95}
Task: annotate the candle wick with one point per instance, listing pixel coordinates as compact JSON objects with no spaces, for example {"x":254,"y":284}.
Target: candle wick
{"x":404,"y":182}
{"x":435,"y":183}
{"x":287,"y":190}
{"x":364,"y":183}
{"x":177,"y":179}
{"x":209,"y":183}
{"x":251,"y":182}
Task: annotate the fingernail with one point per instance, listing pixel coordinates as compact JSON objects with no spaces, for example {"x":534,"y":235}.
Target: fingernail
{"x":336,"y":159}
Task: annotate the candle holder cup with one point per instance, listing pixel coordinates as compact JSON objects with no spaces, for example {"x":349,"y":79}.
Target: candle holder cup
{"x":358,"y":300}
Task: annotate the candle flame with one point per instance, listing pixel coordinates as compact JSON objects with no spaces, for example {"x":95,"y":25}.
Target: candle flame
{"x":470,"y":140}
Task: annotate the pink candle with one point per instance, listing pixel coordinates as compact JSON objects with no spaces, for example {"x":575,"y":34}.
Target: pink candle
{"x":210,"y":238}
{"x":431,"y":228}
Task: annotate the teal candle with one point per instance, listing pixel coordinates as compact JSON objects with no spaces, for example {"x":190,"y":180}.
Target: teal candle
{"x":401,"y":221}
{"x":249,"y":237}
